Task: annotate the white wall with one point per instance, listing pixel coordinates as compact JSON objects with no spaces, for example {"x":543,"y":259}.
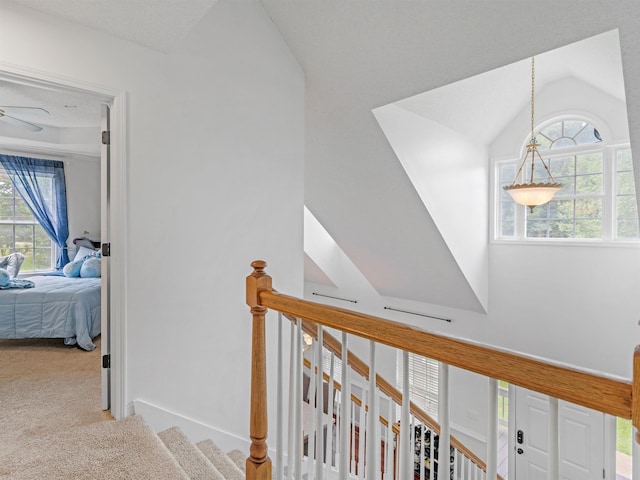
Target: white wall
{"x":82,"y":177}
{"x":215,"y":180}
{"x":574,"y":304}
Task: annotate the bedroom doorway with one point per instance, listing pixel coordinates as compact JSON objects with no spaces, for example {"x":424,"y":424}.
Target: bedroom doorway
{"x":111,"y":106}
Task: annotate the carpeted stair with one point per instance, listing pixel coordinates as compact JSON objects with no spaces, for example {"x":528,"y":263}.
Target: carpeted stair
{"x":123,"y":449}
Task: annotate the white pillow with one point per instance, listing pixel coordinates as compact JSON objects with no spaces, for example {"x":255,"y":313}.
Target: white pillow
{"x":83,"y":252}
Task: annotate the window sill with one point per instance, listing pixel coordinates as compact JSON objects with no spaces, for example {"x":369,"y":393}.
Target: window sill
{"x":570,"y":242}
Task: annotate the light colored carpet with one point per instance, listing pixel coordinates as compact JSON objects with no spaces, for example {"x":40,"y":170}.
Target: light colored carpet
{"x":239,"y":458}
{"x":190,"y":458}
{"x":45,"y":387}
{"x":126,"y":449}
{"x":221,"y":460}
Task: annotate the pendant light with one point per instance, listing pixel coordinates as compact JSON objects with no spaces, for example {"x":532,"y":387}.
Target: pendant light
{"x":529,"y":193}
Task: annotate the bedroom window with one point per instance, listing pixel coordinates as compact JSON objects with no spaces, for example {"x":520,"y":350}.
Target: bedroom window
{"x":423,"y":382}
{"x":597,"y":200}
{"x":21,"y":232}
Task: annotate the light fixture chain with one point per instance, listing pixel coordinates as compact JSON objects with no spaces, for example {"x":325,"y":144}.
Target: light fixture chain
{"x":533,"y":76}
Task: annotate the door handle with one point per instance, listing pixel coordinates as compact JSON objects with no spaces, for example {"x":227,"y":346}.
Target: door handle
{"x":520,"y":437}
{"x":520,"y":451}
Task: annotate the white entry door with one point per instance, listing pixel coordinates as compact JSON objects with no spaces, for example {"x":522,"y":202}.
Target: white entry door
{"x":105,"y":313}
{"x":580,"y":432}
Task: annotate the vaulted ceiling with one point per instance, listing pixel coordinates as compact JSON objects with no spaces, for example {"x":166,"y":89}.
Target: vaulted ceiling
{"x":362,"y":55}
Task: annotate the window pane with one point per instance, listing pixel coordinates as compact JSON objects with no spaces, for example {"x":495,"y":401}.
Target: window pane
{"x":573,"y":127}
{"x":560,"y":228}
{"x":508,"y":214}
{"x":589,"y":208}
{"x":537,"y":228}
{"x":41,"y":239}
{"x":24,"y":236}
{"x":43,"y":258}
{"x":553,"y":131}
{"x":23,"y":213}
{"x":6,"y":239}
{"x":627,"y":206}
{"x":626,"y":183}
{"x":624,"y":160}
{"x":562,"y":166}
{"x":588,"y":184}
{"x":561,"y":209}
{"x":6,"y":208}
{"x":591,"y":163}
{"x":628,"y":228}
{"x":568,"y":185}
{"x":589,"y":228}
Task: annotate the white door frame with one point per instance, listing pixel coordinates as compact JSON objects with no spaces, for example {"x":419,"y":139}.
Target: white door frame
{"x":118,"y":221}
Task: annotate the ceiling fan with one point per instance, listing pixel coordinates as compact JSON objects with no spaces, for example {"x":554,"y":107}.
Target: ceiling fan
{"x":11,"y":114}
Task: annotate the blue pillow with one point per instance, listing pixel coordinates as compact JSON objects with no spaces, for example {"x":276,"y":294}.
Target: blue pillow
{"x":90,"y":268}
{"x":72,"y":269}
{"x":5,"y":278}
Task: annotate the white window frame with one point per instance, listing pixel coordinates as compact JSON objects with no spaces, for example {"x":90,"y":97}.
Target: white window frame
{"x":609,"y":214}
{"x":54,"y":247}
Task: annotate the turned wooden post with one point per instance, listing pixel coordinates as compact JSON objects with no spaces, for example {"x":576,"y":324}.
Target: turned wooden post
{"x":258,"y":462}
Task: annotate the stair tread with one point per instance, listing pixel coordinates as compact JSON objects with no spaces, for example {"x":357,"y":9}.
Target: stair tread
{"x":221,"y":460}
{"x":191,"y":459}
{"x":239,"y":459}
{"x":108,"y":450}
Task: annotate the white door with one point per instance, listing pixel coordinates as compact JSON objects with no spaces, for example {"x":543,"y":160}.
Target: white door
{"x":580,"y":439}
{"x":105,"y":401}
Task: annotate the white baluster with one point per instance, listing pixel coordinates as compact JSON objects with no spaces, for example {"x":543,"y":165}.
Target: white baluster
{"x":292,"y":404}
{"x":443,"y":418}
{"x":312,"y":395}
{"x":554,"y":458}
{"x":345,"y":414}
{"x":373,"y":432}
{"x":330,"y":403}
{"x":635,"y":454}
{"x":319,"y":409}
{"x":353,"y":438}
{"x":404,"y":459}
{"x":492,"y":430}
{"x":388,"y":447}
{"x":279,"y":467}
{"x":423,"y":436}
{"x":298,"y":436}
{"x":362,"y":433}
{"x":432,"y":457}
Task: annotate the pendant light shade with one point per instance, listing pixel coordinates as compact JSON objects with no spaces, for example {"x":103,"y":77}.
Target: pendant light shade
{"x":529,"y":193}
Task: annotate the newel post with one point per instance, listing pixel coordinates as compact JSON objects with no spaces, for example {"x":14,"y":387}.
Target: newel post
{"x":258,"y":462}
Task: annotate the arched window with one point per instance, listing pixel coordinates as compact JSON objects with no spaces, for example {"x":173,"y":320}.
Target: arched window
{"x":597,"y":200}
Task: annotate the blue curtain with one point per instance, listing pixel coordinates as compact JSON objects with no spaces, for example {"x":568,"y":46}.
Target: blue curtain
{"x":27,"y":175}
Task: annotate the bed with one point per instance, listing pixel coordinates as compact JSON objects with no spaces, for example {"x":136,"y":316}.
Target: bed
{"x":57,"y":307}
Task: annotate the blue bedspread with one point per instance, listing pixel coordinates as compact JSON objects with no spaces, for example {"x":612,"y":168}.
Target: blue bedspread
{"x":57,"y":307}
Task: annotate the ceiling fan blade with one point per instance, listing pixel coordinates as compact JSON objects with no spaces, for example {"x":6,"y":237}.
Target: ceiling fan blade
{"x":20,"y":123}
{"x":31,"y":111}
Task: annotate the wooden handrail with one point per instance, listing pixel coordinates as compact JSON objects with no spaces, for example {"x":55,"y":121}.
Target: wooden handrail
{"x":334,"y":346}
{"x":605,"y":394}
{"x":610,"y":395}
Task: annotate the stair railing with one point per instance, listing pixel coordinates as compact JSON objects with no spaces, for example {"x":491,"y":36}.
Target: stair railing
{"x":465,"y":459}
{"x":596,"y":391}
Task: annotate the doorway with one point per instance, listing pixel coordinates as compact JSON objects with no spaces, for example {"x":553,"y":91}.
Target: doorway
{"x":582,"y":437}
{"x":113,"y":186}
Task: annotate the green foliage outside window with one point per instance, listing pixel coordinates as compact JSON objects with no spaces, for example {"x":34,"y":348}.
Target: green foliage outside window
{"x":20,"y":231}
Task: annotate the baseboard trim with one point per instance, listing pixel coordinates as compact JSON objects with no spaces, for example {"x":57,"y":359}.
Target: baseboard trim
{"x":160,"y":418}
